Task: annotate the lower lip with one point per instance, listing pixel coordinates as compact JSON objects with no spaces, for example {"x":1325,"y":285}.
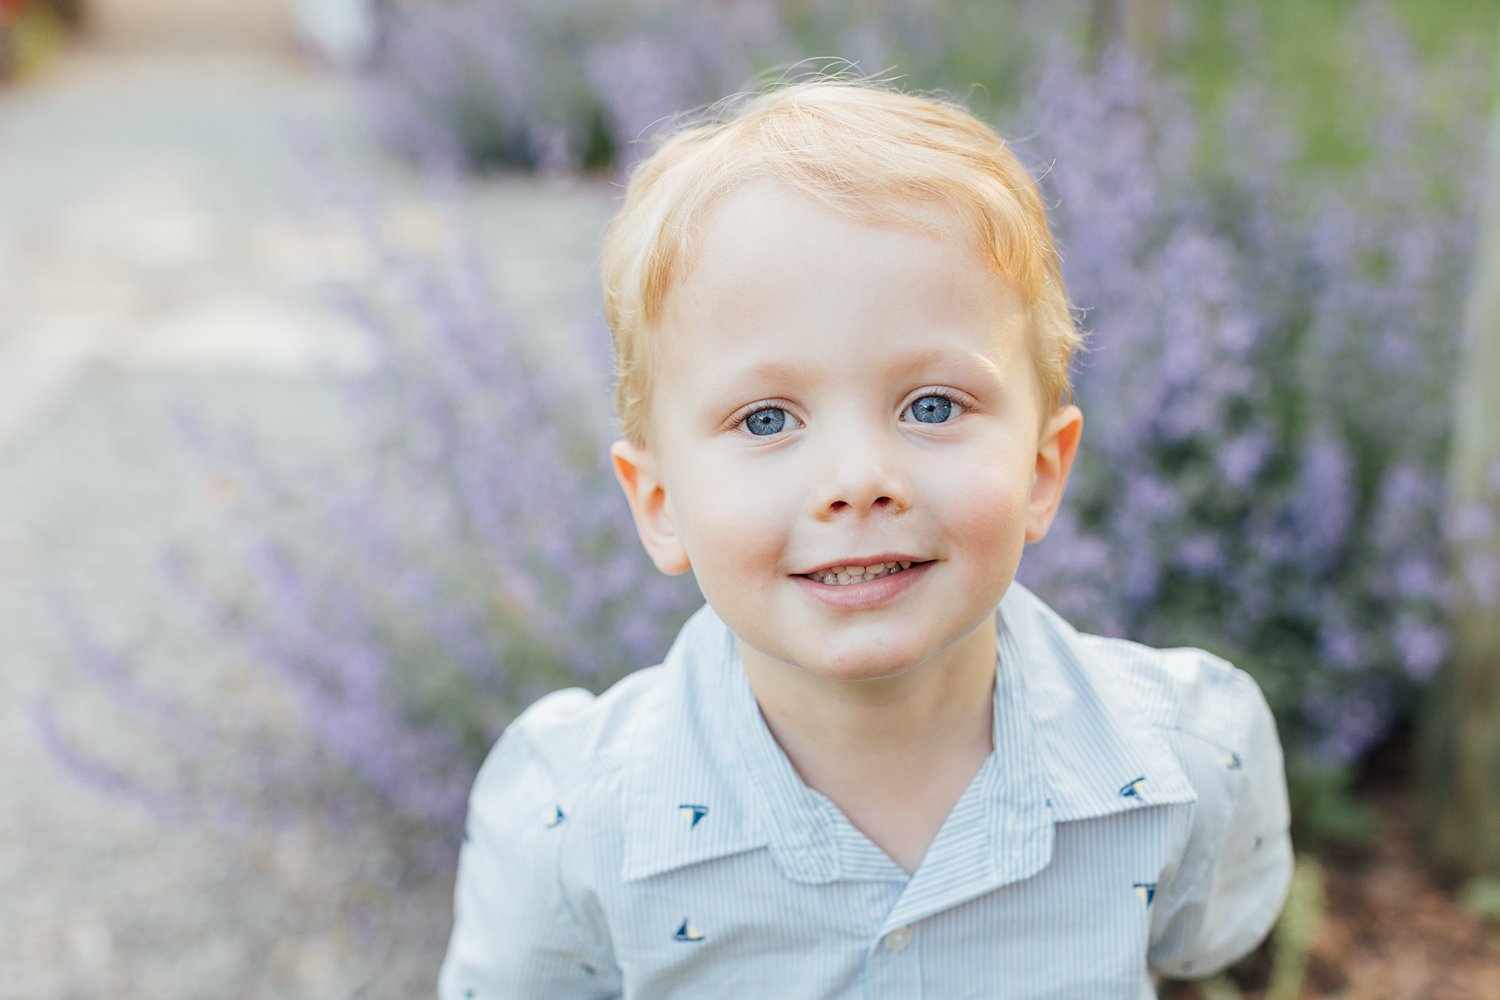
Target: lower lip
{"x":870,"y":594}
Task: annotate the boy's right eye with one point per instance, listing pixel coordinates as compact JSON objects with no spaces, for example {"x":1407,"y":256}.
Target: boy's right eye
{"x":768,"y":420}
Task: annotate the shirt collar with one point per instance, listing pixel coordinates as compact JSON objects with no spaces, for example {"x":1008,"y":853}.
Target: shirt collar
{"x":685,"y":797}
{"x":1101,"y":751}
{"x":711,"y":780}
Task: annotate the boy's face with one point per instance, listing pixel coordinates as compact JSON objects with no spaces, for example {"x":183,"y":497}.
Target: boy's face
{"x":833,"y":394}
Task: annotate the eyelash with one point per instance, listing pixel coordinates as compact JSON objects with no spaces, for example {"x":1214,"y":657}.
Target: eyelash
{"x":950,"y":395}
{"x":736,"y":420}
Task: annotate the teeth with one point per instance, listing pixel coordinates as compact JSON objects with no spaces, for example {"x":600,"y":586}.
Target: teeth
{"x":838,"y":576}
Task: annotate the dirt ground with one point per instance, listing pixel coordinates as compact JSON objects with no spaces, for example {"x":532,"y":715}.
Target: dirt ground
{"x":1395,"y":928}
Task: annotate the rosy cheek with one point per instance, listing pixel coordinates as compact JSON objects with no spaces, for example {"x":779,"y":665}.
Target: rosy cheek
{"x":989,"y":510}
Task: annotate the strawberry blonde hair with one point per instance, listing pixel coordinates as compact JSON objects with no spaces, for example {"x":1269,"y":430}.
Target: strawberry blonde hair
{"x":862,"y":149}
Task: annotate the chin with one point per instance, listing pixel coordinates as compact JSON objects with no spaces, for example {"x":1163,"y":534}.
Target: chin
{"x":864,"y":667}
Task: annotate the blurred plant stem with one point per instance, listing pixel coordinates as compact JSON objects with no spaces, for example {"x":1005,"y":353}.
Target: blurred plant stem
{"x":1220,"y":987}
{"x":1462,"y":718}
{"x":1295,"y":932}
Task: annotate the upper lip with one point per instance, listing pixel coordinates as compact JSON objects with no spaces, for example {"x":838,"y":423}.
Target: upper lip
{"x":874,"y":560}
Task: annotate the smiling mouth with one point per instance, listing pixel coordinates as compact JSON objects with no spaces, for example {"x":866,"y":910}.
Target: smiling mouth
{"x":842,"y":576}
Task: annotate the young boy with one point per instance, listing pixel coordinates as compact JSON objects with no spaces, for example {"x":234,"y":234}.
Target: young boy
{"x":873,"y":765}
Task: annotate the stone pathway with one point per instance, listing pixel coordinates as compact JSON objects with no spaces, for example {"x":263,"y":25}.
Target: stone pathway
{"x":156,"y":257}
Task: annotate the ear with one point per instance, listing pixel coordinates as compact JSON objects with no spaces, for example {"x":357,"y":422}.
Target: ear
{"x":639,"y":477}
{"x":1055,"y":452}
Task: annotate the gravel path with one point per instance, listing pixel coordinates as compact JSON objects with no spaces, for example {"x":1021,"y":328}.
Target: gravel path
{"x":153,"y":261}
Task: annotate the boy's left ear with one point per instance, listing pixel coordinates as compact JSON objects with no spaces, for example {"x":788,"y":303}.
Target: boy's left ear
{"x":1055,"y":452}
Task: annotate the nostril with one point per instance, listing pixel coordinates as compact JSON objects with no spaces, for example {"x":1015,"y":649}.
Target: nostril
{"x":879,"y":503}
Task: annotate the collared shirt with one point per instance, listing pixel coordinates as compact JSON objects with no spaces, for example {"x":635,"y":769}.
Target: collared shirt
{"x":655,"y":841}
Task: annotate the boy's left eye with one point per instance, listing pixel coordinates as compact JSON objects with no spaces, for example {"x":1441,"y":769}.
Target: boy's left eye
{"x":931,"y":409}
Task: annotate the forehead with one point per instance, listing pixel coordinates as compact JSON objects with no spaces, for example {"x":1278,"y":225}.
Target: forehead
{"x":764,"y":238}
{"x":786,"y":291}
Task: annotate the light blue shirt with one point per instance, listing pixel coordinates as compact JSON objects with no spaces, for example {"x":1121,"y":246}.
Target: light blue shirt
{"x":655,"y":841}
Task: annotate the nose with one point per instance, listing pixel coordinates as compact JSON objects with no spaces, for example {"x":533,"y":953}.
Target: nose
{"x":859,"y":474}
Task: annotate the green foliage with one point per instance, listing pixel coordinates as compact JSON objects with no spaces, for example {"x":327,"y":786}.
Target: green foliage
{"x":1482,"y":898}
{"x":34,"y":33}
{"x":1325,"y":809}
{"x":1308,"y":60}
{"x":1220,"y":987}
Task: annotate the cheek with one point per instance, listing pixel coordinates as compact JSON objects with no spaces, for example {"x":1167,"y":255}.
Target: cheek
{"x":731,"y":524}
{"x":988,"y":514}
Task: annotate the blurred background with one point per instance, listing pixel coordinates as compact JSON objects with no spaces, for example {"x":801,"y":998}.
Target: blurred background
{"x":304,"y":399}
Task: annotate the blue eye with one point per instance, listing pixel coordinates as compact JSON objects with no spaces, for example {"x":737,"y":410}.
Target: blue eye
{"x":763,"y":423}
{"x":931,"y":410}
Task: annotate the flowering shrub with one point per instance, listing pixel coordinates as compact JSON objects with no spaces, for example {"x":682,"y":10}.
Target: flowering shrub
{"x":558,"y":84}
{"x":575,"y":83}
{"x":1266,"y":400}
{"x":480,"y":555}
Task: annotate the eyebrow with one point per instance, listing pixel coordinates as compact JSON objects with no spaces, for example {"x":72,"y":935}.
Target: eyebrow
{"x":781,"y":371}
{"x":777,"y":372}
{"x":938,"y":357}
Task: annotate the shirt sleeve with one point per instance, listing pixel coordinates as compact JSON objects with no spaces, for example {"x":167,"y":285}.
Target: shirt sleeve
{"x":1237,"y":865}
{"x":515,"y":933}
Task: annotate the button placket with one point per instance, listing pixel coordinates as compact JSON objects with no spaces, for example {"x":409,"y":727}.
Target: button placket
{"x":894,"y":971}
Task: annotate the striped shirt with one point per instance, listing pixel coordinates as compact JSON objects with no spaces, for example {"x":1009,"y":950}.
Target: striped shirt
{"x":655,"y":841}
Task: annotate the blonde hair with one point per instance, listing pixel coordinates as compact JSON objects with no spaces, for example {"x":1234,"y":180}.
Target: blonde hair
{"x":862,"y":149}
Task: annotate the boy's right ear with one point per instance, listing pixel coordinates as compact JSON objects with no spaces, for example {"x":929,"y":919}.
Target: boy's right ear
{"x":637,"y":472}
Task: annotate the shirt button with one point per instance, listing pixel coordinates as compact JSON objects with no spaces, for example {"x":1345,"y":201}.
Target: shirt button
{"x":897,"y":939}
